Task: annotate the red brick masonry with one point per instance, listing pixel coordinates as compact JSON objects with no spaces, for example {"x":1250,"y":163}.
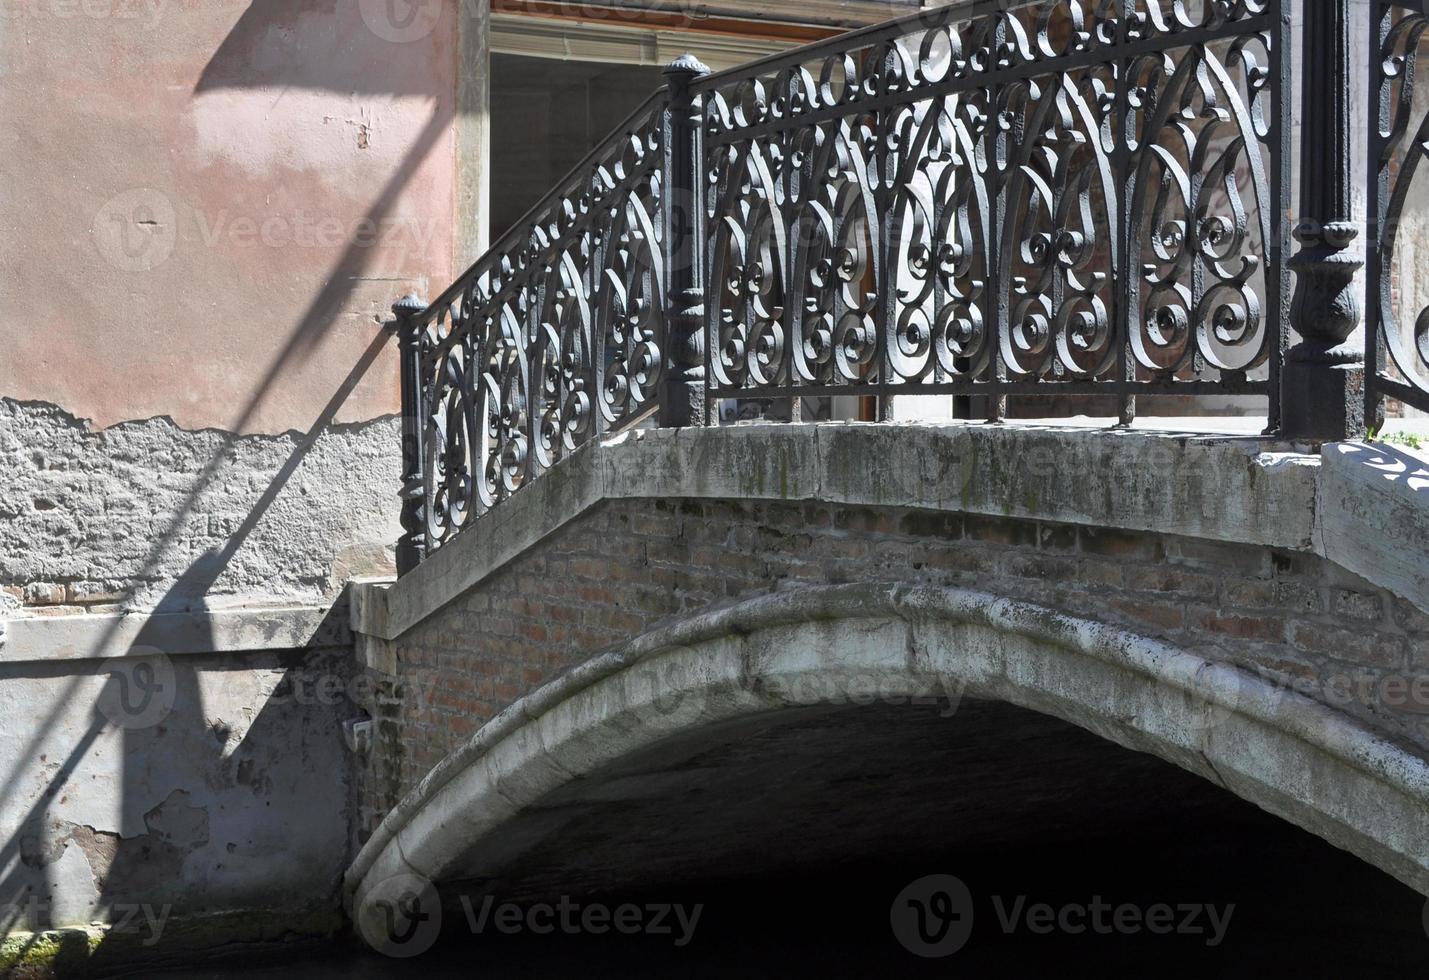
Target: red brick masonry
{"x":630,"y":564}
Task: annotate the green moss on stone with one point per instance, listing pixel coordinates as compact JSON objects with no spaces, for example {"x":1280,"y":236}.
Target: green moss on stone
{"x":98,"y":950}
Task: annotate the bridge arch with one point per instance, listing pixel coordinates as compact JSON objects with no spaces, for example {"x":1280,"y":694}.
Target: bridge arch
{"x":1299,"y":759}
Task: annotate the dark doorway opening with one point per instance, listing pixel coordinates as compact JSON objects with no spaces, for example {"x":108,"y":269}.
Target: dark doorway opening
{"x":546,"y":115}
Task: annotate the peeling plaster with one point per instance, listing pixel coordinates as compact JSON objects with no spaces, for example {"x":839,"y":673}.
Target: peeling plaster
{"x":148,"y":513}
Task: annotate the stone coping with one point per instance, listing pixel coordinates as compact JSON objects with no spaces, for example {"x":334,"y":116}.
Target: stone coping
{"x":1230,"y":486}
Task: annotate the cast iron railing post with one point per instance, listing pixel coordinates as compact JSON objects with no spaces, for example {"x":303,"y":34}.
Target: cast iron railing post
{"x":682,"y":397}
{"x":1322,"y":390}
{"x":412,"y":547}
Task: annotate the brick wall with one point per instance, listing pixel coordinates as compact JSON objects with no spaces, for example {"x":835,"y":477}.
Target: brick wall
{"x":630,"y":564}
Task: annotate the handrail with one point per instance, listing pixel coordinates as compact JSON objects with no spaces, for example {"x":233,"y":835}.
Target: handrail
{"x":927,"y":18}
{"x":989,"y":199}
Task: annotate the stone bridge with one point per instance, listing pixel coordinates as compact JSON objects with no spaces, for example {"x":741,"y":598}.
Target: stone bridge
{"x":766,"y":644}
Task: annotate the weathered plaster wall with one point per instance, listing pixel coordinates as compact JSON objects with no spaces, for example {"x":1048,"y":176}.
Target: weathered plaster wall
{"x":234,"y":796}
{"x":228,"y":792}
{"x":146,"y":514}
{"x":207,"y":207}
{"x":206,"y":212}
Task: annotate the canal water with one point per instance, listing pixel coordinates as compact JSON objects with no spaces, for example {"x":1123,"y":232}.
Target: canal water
{"x":1272,"y":903}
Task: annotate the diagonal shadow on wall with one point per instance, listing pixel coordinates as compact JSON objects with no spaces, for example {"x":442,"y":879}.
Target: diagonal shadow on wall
{"x":278,"y":46}
{"x":179,"y":741}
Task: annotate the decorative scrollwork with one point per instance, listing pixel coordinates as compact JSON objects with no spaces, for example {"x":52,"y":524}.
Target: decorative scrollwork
{"x":1400,"y":360}
{"x":1199,"y":226}
{"x":553,"y":336}
{"x":631,"y":303}
{"x":1061,"y":195}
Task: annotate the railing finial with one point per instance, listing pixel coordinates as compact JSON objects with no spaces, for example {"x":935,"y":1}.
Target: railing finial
{"x":409,"y":305}
{"x":683,"y":400}
{"x":687,"y":64}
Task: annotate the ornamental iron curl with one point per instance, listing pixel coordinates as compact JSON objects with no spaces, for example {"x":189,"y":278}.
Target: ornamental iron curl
{"x":1397,"y":365}
{"x":1064,"y":196}
{"x":554,"y":335}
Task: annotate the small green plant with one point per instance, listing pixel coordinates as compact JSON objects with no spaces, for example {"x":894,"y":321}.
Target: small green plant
{"x":1407,"y":439}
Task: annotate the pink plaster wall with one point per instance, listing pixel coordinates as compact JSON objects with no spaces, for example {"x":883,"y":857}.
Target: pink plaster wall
{"x":208,"y":205}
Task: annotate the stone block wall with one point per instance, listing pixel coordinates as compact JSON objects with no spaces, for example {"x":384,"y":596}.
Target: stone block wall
{"x":147,"y":514}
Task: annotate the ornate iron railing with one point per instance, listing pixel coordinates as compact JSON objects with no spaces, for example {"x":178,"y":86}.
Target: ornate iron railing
{"x":994,"y":198}
{"x":557,"y":333}
{"x":1069,"y":197}
{"x":1397,"y":362}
